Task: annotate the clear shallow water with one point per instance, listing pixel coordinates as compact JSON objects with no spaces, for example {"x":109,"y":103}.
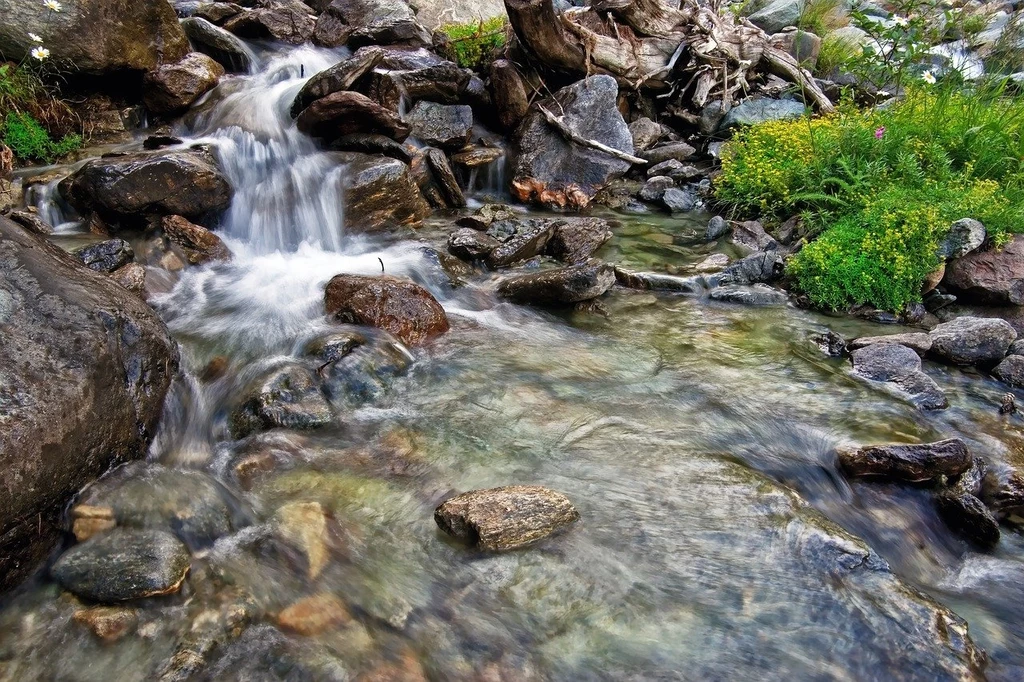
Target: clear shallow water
{"x":695,"y":438}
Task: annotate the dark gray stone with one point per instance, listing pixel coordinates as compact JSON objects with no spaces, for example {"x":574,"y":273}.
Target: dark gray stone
{"x":562,"y":286}
{"x":471,"y":245}
{"x":899,"y":367}
{"x":755,"y":295}
{"x":654,"y":189}
{"x":1011,"y":371}
{"x":972,"y":341}
{"x":286,"y":397}
{"x":679,"y":201}
{"x":911,"y":463}
{"x":760,"y":110}
{"x":106,"y":256}
{"x":441,"y":125}
{"x":223,"y":47}
{"x":965,"y":236}
{"x":717,"y":227}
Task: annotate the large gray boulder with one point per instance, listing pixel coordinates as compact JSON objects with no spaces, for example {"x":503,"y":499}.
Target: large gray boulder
{"x":777,"y":15}
{"x":759,"y":110}
{"x":87,"y":365}
{"x":972,"y":341}
{"x":95,"y":36}
{"x":357,"y":23}
{"x":899,"y":369}
{"x":547,"y":168}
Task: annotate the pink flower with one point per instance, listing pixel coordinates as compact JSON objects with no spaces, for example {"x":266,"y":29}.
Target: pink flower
{"x":879,"y":132}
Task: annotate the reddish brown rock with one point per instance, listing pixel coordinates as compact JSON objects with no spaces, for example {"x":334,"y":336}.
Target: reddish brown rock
{"x":399,"y":306}
{"x":313,"y":615}
{"x":991,"y":276}
{"x":108,"y":623}
{"x":175,"y":87}
{"x":350,"y":113}
{"x":198,"y":244}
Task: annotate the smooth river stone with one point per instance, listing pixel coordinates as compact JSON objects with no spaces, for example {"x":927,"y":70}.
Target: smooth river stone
{"x":122,"y":565}
{"x":911,"y":463}
{"x":505,"y":518}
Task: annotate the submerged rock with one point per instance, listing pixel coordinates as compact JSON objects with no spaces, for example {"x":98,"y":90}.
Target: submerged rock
{"x":972,"y":341}
{"x":354,"y":373}
{"x":900,"y":368}
{"x":287,"y":397}
{"x":123,"y":565}
{"x":106,"y":256}
{"x":969,"y":517}
{"x":918,"y":342}
{"x":303,"y":526}
{"x":1003,"y":492}
{"x":108,"y":623}
{"x":560,"y":286}
{"x":398,"y":306}
{"x":911,"y":463}
{"x":754,"y":295}
{"x":505,"y":518}
{"x":314,"y":615}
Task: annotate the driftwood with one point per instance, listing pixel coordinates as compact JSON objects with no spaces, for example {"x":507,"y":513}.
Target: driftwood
{"x":692,"y":52}
{"x":573,"y":136}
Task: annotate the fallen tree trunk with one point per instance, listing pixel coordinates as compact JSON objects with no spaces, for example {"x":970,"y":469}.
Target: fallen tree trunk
{"x":692,"y":52}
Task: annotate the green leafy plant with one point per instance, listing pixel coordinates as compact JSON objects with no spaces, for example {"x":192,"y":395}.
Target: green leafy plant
{"x":472,"y":45}
{"x":823,"y":16}
{"x":30,"y":141}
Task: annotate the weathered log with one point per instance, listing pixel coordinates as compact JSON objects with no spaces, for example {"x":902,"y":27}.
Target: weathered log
{"x":573,"y":136}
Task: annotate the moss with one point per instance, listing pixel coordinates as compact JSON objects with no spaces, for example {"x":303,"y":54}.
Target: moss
{"x":473,"y":45}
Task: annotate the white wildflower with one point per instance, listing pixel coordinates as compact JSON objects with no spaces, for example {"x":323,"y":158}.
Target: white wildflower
{"x":35,"y":38}
{"x":52,"y":5}
{"x":39,"y":52}
{"x":901,"y":21}
{"x":928,"y":77}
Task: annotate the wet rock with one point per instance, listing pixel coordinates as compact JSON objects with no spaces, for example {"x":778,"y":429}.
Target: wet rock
{"x":414,"y":76}
{"x":198,"y":244}
{"x":990,"y":276}
{"x":965,"y":236}
{"x":108,"y":623}
{"x":713,"y":263}
{"x":125,"y":189}
{"x":654,"y":189}
{"x":676,"y":151}
{"x":757,"y":268}
{"x":349,"y":113}
{"x":666,"y":168}
{"x":920,"y":343}
{"x":89,"y":34}
{"x":575,"y":240}
{"x":31,"y":221}
{"x":366,"y":372}
{"x":222,"y":46}
{"x":717,"y":227}
{"x":509,"y":91}
{"x":560,"y":286}
{"x":654,"y":281}
{"x":520,"y":240}
{"x":911,"y":463}
{"x":123,"y":565}
{"x":175,"y":87}
{"x":758,"y":110}
{"x":545,"y":162}
{"x":214,"y":12}
{"x":972,"y":341}
{"x":471,"y":245}
{"x":437,"y":181}
{"x":831,"y":344}
{"x":752,"y":235}
{"x":1011,"y":371}
{"x":289,"y":22}
{"x":477,"y":157}
{"x":191,"y":504}
{"x":374,"y":145}
{"x":85,"y":347}
{"x":398,"y":306}
{"x":106,"y":256}
{"x":441,"y":125}
{"x":679,"y":201}
{"x":1003,"y":492}
{"x":645,"y":133}
{"x":972,"y":480}
{"x":900,"y":368}
{"x":303,"y":526}
{"x":380,"y":192}
{"x":969,"y":517}
{"x":338,"y":78}
{"x":287,"y":397}
{"x":486,"y":215}
{"x":314,"y":615}
{"x":505,"y":518}
{"x":755,"y":295}
{"x":369,"y":22}
{"x":88,"y":520}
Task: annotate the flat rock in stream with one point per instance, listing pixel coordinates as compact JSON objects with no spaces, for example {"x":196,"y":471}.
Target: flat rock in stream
{"x":911,"y":463}
{"x":899,"y":367}
{"x":123,"y":565}
{"x":575,"y":240}
{"x":754,"y":295}
{"x":505,"y":518}
{"x":349,"y":113}
{"x":106,"y":256}
{"x":657,"y":281}
{"x":918,"y":342}
{"x":448,"y":126}
{"x":561,"y":286}
{"x":198,"y":244}
{"x":972,"y":341}
{"x":399,"y":306}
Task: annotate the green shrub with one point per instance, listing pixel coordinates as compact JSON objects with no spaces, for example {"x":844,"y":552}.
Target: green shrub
{"x":471,"y":45}
{"x":823,"y":16}
{"x":31,"y":142}
{"x":883,"y":186}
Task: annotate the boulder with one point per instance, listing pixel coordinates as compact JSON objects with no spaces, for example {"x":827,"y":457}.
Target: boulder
{"x":374,"y":145}
{"x":505,"y":518}
{"x":290,"y":22}
{"x":575,"y":240}
{"x":509,"y":92}
{"x":910,"y":463}
{"x":88,"y":353}
{"x":398,"y":306}
{"x":646,"y":133}
{"x":405,"y":77}
{"x":1003,"y":492}
{"x":348,"y":113}
{"x":989,"y":277}
{"x":754,"y":295}
{"x":123,"y":565}
{"x":674,"y":151}
{"x":286,"y":397}
{"x":900,"y":368}
{"x":678,"y":200}
{"x":777,"y":15}
{"x":132,"y":277}
{"x":560,"y":286}
{"x":972,"y":341}
{"x":225,"y":48}
{"x":757,"y":268}
{"x":106,"y":256}
{"x":803,"y":46}
{"x":127,"y":189}
{"x":379,"y":192}
{"x":441,"y":125}
{"x":437,"y":181}
{"x":93,"y":36}
{"x":548,"y":168}
{"x":357,"y":23}
{"x":172,"y":88}
{"x":655,"y":281}
{"x":471,"y":245}
{"x":968,"y":516}
{"x":761,"y":109}
{"x":520,"y":240}
{"x":752,"y":236}
{"x":214,"y":12}
{"x":919,"y":342}
{"x":198,"y":244}
{"x":1011,"y":371}
{"x":338,"y":78}
{"x":654,"y":189}
{"x":717,"y":227}
{"x":965,"y":236}
{"x":436,"y":13}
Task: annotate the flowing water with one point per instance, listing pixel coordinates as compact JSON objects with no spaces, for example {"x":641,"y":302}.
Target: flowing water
{"x":717,"y":539}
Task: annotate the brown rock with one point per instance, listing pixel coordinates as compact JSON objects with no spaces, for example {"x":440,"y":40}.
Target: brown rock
{"x":88,"y":520}
{"x":199,"y":244}
{"x":575,"y":240}
{"x":291,"y":22}
{"x":109,"y":623}
{"x":350,"y":113}
{"x":399,"y":306}
{"x":559,"y":286}
{"x":990,"y":276}
{"x":314,"y":615}
{"x":505,"y":518}
{"x":934,"y":279}
{"x":380,"y":192}
{"x":303,"y":525}
{"x":175,"y":87}
{"x":337,"y":78}
{"x":911,"y":463}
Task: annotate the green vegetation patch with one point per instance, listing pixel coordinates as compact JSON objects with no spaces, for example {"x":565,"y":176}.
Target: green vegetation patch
{"x":472,"y":45}
{"x":36,"y":125}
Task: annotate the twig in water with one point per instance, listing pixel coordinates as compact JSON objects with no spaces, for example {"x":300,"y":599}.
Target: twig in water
{"x":381,"y":264}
